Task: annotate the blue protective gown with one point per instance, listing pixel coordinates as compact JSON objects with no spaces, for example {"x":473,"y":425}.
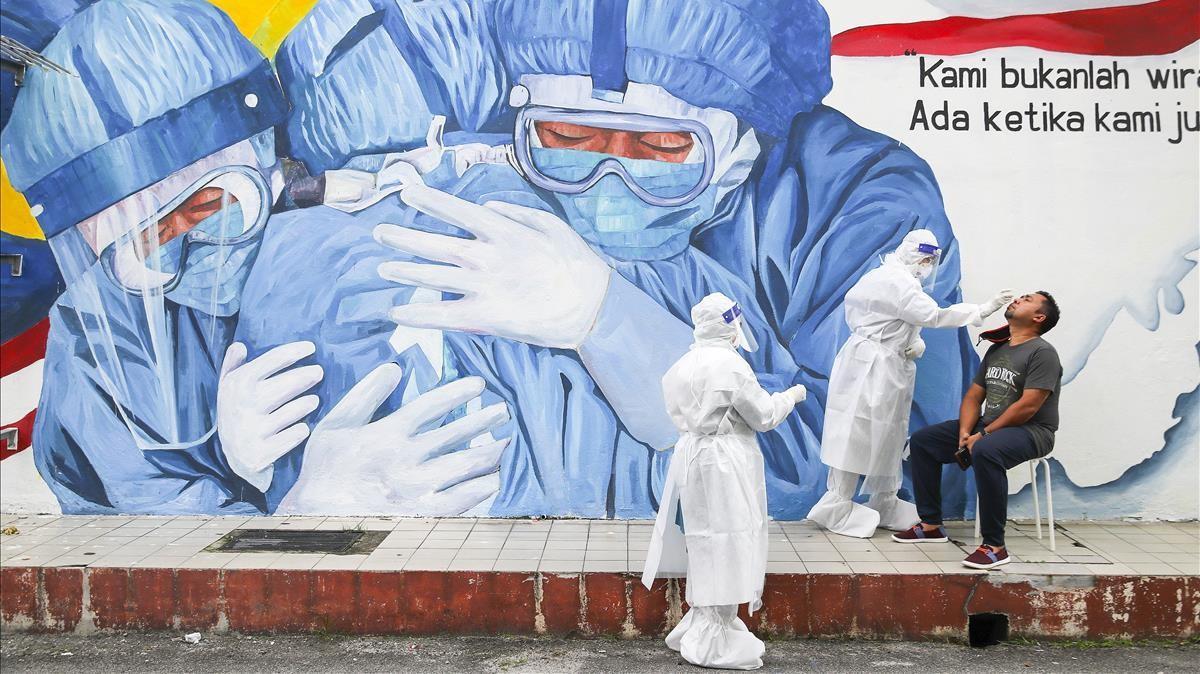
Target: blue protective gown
{"x":87,"y":454}
{"x":814,"y":216}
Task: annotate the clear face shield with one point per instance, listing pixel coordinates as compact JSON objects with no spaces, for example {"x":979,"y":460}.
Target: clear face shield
{"x":926,"y":267}
{"x":151,"y":310}
{"x":745,"y":338}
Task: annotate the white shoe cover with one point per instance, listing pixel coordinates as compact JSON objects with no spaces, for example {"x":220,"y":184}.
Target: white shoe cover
{"x":840,"y":515}
{"x":713,"y":636}
{"x":894,"y":513}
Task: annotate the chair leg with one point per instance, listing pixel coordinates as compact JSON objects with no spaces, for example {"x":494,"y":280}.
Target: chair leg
{"x":978,"y":535}
{"x":1049,"y":504}
{"x":1037,"y":508}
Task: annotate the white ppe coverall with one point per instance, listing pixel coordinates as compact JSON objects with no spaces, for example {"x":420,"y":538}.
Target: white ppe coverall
{"x":716,"y":477}
{"x":871,"y":387}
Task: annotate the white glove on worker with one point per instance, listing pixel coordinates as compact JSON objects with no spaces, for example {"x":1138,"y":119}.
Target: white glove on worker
{"x":394,"y":466}
{"x":1001,"y":300}
{"x":259,"y":416}
{"x":915,"y":350}
{"x":526,"y":276}
{"x":798,"y":393}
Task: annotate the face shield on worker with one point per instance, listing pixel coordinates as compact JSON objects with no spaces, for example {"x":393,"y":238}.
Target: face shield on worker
{"x":153,"y":196}
{"x":719,"y":319}
{"x":920,"y":254}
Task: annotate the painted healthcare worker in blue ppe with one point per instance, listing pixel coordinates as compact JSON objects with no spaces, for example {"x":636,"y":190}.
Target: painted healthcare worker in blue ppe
{"x":398,"y":431}
{"x":152,"y":176}
{"x":686,"y":153}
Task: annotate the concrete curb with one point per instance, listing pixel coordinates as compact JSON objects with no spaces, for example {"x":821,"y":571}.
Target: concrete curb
{"x":84,"y":600}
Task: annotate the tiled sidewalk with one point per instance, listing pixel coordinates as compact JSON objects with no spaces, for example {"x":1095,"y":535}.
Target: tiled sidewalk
{"x":572,"y":546}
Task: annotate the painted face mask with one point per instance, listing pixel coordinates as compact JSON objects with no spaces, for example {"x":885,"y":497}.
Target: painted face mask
{"x":197,"y":250}
{"x":641,"y":197}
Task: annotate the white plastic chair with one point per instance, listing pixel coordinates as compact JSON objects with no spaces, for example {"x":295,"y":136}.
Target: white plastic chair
{"x":1037,"y":508}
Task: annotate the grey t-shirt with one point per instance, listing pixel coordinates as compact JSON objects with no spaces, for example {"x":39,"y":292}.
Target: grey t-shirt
{"x":1005,"y":374}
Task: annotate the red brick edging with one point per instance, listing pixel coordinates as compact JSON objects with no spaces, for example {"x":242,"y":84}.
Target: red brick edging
{"x":428,"y":602}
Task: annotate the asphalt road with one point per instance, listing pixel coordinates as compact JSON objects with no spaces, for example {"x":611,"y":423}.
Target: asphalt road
{"x":167,"y":652}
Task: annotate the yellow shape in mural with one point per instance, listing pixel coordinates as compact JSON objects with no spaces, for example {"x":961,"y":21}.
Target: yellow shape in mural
{"x":265,"y":23}
{"x":15,"y":217}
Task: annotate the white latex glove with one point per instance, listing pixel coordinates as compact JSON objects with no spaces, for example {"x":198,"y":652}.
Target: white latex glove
{"x":259,"y":417}
{"x":915,"y":350}
{"x":398,"y":465}
{"x":1001,"y":300}
{"x":526,"y":276}
{"x":798,"y":393}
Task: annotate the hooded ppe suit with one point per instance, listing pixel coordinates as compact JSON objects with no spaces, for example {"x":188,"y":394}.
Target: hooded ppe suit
{"x":717,"y":479}
{"x":150,"y":174}
{"x":871,"y":387}
{"x":804,"y":211}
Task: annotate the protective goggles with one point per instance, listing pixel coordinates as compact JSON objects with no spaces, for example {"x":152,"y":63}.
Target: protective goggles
{"x":576,"y":131}
{"x":223,"y":207}
{"x":733,"y":316}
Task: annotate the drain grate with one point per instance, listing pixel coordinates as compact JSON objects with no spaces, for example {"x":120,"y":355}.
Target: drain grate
{"x":296,"y":540}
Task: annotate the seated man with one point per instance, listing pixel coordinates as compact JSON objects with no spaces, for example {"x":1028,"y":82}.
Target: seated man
{"x":1017,"y":387}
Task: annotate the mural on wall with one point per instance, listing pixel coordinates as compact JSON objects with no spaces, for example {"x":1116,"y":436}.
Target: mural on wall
{"x":432,"y":258}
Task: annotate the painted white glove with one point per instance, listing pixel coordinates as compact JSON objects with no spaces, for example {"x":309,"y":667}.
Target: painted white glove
{"x":1001,"y":300}
{"x":798,"y":393}
{"x":259,"y":417}
{"x":398,"y":465}
{"x":526,"y":276}
{"x":915,"y":350}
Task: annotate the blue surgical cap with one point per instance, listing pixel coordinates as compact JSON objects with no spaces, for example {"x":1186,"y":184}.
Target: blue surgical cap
{"x":157,"y":85}
{"x":763,"y":60}
{"x":367,"y":76}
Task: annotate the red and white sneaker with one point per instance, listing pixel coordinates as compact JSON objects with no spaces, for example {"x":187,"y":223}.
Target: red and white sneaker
{"x":917,"y":534}
{"x":986,"y":557}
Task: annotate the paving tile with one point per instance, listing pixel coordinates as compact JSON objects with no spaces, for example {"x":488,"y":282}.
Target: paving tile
{"x":905,"y":555}
{"x":515,"y":565}
{"x":560,"y":566}
{"x":863,"y":556}
{"x":253,"y":560}
{"x":563,"y":554}
{"x":339,"y":562}
{"x":207,"y":560}
{"x":474,"y":553}
{"x":810,"y":556}
{"x":827,"y":567}
{"x":440,"y":544}
{"x":471,"y":564}
{"x":919,"y":567}
{"x":408,"y":524}
{"x":782,"y":556}
{"x":1109,"y":569}
{"x":871,"y":567}
{"x":605,"y":554}
{"x":524,"y":544}
{"x":299,"y":561}
{"x":401,"y":539}
{"x":1154,"y":569}
{"x":519,"y":553}
{"x":786,"y":567}
{"x":605,"y":566}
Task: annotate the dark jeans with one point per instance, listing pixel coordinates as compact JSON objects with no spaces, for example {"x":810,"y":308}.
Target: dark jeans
{"x":993,"y":455}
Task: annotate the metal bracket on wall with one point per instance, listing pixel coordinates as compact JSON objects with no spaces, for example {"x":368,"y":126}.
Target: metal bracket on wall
{"x":9,"y":437}
{"x":14,"y":261}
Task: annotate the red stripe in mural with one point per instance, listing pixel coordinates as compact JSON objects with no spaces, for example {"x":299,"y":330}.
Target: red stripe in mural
{"x":21,"y":431}
{"x":25,"y":349}
{"x":1162,"y":27}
